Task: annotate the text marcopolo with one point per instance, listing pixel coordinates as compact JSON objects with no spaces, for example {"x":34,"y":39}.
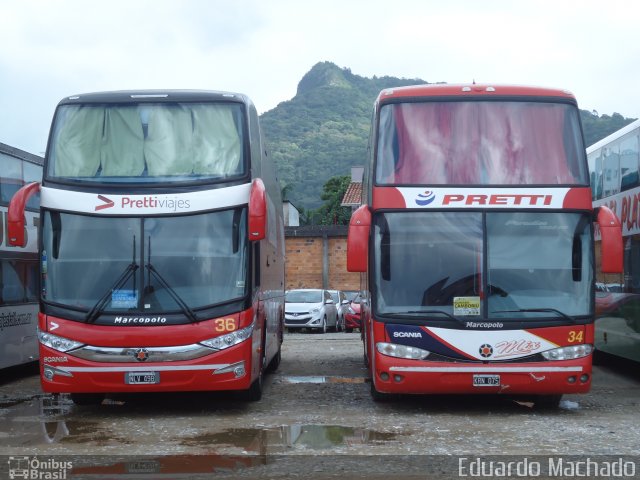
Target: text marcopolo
{"x":139,"y":320}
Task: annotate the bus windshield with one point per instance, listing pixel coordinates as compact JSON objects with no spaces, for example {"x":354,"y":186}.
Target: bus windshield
{"x":480,"y":143}
{"x":474,"y":265}
{"x":147,"y":142}
{"x":163,"y":262}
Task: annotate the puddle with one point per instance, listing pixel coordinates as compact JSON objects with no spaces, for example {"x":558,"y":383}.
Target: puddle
{"x":36,"y":421}
{"x":169,"y":466}
{"x":287,"y":437}
{"x":319,"y":379}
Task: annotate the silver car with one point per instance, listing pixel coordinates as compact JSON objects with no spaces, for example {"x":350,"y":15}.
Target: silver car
{"x":342,"y":304}
{"x":310,"y":308}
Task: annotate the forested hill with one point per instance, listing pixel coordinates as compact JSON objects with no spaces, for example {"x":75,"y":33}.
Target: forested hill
{"x":323,"y":131}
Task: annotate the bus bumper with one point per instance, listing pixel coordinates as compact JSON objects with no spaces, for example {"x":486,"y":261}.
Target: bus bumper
{"x":397,"y":376}
{"x":231,"y":369}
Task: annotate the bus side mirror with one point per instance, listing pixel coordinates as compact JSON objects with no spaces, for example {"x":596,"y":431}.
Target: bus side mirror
{"x":15,"y":214}
{"x":257,"y":211}
{"x":611,"y":243}
{"x":358,"y":240}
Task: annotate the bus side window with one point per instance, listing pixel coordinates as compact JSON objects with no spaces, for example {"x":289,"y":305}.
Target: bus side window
{"x":31,"y":282}
{"x":12,"y":282}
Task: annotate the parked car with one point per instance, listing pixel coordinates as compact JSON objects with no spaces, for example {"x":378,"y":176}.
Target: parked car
{"x":351,"y":294}
{"x":352,"y":316}
{"x":310,"y":308}
{"x":342,"y":304}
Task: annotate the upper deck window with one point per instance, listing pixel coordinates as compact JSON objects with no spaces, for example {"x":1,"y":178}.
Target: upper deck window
{"x":480,"y":143}
{"x":147,"y":142}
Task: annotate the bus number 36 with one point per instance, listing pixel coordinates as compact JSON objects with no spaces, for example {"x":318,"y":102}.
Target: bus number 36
{"x":225,"y":324}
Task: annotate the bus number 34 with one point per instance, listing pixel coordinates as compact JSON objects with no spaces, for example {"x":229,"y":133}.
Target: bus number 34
{"x":225,"y":325}
{"x":575,"y":336}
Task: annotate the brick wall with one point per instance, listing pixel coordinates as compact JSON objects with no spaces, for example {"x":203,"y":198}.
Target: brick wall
{"x":306,"y":259}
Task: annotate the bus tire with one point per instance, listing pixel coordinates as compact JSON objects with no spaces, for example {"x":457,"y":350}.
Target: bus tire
{"x":254,"y":393}
{"x":547,"y":402}
{"x":275,"y":362}
{"x":377,"y":396}
{"x":87,"y":398}
{"x":598,"y":357}
{"x":348,"y":330}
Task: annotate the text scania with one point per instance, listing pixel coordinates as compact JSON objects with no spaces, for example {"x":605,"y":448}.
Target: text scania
{"x":407,"y":335}
{"x":172,"y":204}
{"x":499,"y":199}
{"x":139,"y":320}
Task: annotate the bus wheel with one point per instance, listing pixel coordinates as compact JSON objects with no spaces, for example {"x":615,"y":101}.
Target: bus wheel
{"x":254,"y":393}
{"x":348,"y":330}
{"x":379,"y":396}
{"x":87,"y":398}
{"x":547,"y":402}
{"x":255,"y":390}
{"x":275,"y":362}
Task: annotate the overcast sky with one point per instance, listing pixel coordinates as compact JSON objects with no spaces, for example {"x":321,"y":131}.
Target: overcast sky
{"x":51,"y":49}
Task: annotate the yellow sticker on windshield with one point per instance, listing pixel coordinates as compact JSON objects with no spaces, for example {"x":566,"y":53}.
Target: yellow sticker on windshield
{"x":466,"y":306}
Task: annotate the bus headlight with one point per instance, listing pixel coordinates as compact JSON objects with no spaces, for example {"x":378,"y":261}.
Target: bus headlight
{"x":568,"y":353}
{"x":401,"y":351}
{"x":57,"y":343}
{"x":229,"y":340}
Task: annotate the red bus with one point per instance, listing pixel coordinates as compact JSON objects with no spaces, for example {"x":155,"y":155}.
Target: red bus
{"x":162,"y":246}
{"x":475,"y":243}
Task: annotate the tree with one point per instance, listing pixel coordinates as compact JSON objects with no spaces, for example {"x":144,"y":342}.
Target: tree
{"x":331,"y":213}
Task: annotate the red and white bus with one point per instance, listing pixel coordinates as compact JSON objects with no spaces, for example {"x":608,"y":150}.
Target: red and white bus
{"x":162,"y":246}
{"x":475,"y":243}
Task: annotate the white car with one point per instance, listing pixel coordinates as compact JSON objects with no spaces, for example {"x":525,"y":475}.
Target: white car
{"x":310,"y":308}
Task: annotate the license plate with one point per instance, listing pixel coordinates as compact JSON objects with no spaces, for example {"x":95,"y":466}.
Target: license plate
{"x":486,"y":380}
{"x":138,"y":378}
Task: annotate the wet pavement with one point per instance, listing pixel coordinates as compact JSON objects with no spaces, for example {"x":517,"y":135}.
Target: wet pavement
{"x":318,"y":404}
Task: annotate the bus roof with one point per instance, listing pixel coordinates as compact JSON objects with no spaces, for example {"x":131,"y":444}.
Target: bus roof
{"x":21,"y":154}
{"x":615,"y":135}
{"x":155,"y":96}
{"x":475,"y":90}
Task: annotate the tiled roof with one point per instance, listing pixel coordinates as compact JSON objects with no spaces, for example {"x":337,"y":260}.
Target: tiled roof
{"x":353,"y":195}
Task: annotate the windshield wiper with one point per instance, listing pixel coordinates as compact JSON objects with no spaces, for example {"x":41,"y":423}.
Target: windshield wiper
{"x":181,"y":303}
{"x":539,"y":310}
{"x":411,"y":313}
{"x":99,"y":307}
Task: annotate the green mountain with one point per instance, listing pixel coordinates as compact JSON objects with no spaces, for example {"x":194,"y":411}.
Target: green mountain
{"x":323,"y":131}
